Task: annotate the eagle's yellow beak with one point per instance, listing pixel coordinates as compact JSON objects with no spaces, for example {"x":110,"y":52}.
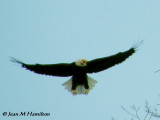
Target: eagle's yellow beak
{"x":84,"y":61}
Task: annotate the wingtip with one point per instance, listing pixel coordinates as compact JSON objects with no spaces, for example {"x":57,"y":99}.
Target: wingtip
{"x":137,"y":45}
{"x":12,"y":59}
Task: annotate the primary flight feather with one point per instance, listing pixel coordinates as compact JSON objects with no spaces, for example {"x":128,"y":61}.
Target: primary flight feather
{"x":80,"y":82}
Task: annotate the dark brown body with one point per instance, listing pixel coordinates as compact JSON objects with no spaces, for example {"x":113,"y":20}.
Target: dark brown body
{"x":79,"y":77}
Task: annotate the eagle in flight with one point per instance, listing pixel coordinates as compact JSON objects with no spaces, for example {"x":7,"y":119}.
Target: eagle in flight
{"x":80,"y":82}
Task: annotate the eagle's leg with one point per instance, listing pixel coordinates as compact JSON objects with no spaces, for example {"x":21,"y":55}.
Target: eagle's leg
{"x":86,"y":91}
{"x":86,"y":86}
{"x":74,"y":89}
{"x":74,"y":92}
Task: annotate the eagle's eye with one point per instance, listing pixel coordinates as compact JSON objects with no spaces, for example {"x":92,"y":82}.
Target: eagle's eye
{"x":84,"y":62}
{"x":81,"y":62}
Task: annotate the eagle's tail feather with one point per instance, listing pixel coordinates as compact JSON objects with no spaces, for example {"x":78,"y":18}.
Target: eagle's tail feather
{"x":68,"y":85}
{"x":91,"y":83}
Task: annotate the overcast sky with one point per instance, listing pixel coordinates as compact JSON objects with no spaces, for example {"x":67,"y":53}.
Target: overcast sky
{"x":59,"y":31}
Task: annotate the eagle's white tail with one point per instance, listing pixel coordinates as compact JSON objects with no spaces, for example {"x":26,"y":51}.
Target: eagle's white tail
{"x":80,"y":88}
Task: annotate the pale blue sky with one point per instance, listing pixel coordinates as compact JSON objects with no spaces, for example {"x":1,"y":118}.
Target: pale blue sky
{"x":53,"y":31}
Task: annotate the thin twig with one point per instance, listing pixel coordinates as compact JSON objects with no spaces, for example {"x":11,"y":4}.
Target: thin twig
{"x":136,"y":110}
{"x":128,"y":112}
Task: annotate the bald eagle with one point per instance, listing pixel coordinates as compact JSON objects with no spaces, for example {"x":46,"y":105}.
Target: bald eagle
{"x":80,"y":82}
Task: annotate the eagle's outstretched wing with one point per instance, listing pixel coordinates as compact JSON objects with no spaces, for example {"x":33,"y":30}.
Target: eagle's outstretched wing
{"x":62,"y":69}
{"x":100,"y":64}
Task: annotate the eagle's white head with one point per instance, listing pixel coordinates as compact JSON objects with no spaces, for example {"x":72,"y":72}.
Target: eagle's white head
{"x":81,"y":62}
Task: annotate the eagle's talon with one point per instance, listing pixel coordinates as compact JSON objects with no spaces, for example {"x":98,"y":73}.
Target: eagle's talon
{"x":86,"y":91}
{"x":74,"y":92}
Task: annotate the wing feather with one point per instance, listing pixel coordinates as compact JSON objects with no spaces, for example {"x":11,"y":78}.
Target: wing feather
{"x":62,"y":69}
{"x":100,"y":64}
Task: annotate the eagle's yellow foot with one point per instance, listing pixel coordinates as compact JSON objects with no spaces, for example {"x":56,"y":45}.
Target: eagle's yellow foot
{"x":86,"y":91}
{"x":74,"y":92}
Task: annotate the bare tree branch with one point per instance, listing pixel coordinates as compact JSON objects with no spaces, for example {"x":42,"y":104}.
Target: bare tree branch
{"x":136,"y":110}
{"x":128,"y":112}
{"x":151,"y":112}
{"x":147,"y":114}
